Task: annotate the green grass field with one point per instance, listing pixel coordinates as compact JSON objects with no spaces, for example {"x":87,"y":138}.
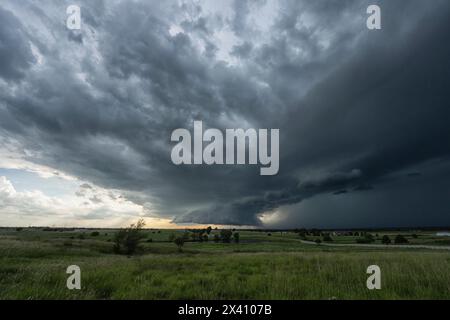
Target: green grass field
{"x":33,"y":265}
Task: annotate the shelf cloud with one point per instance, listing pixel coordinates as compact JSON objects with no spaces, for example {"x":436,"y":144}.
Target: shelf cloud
{"x":363,"y":114}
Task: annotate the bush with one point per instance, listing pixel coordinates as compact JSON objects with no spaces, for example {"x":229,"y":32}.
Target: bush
{"x":367,"y":239}
{"x":236,"y":237}
{"x":127,"y":240}
{"x":327,"y":238}
{"x":216,"y":238}
{"x":225,"y":235}
{"x":386,"y":240}
{"x":95,"y":234}
{"x":318,"y":241}
{"x":399,"y":239}
{"x":316,"y":233}
{"x":180,"y":243}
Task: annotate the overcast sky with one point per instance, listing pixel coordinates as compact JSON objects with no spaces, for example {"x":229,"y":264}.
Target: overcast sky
{"x":86,"y":116}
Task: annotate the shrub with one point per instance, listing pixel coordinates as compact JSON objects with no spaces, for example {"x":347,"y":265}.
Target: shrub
{"x":318,"y":241}
{"x":368,"y":238}
{"x":95,"y":234}
{"x":327,"y":238}
{"x":180,"y":243}
{"x":225,"y":235}
{"x":386,"y":240}
{"x":399,"y":239}
{"x":316,"y":233}
{"x":216,"y":238}
{"x":236,"y":237}
{"x":127,"y":240}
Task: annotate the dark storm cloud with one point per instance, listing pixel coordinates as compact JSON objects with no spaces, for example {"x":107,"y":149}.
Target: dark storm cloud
{"x":15,"y":51}
{"x":397,"y":202}
{"x":354,"y":107}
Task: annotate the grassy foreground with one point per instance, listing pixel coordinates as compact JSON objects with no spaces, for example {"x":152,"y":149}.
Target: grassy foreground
{"x":33,"y":266}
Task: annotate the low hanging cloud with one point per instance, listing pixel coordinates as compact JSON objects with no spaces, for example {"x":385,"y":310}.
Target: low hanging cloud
{"x":358,"y":110}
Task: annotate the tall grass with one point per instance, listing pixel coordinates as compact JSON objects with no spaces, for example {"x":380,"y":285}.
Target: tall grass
{"x":278,"y":269}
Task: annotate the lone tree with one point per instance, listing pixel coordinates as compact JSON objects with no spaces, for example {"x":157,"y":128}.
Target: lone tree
{"x":127,"y":240}
{"x":180,"y":243}
{"x":386,"y":239}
